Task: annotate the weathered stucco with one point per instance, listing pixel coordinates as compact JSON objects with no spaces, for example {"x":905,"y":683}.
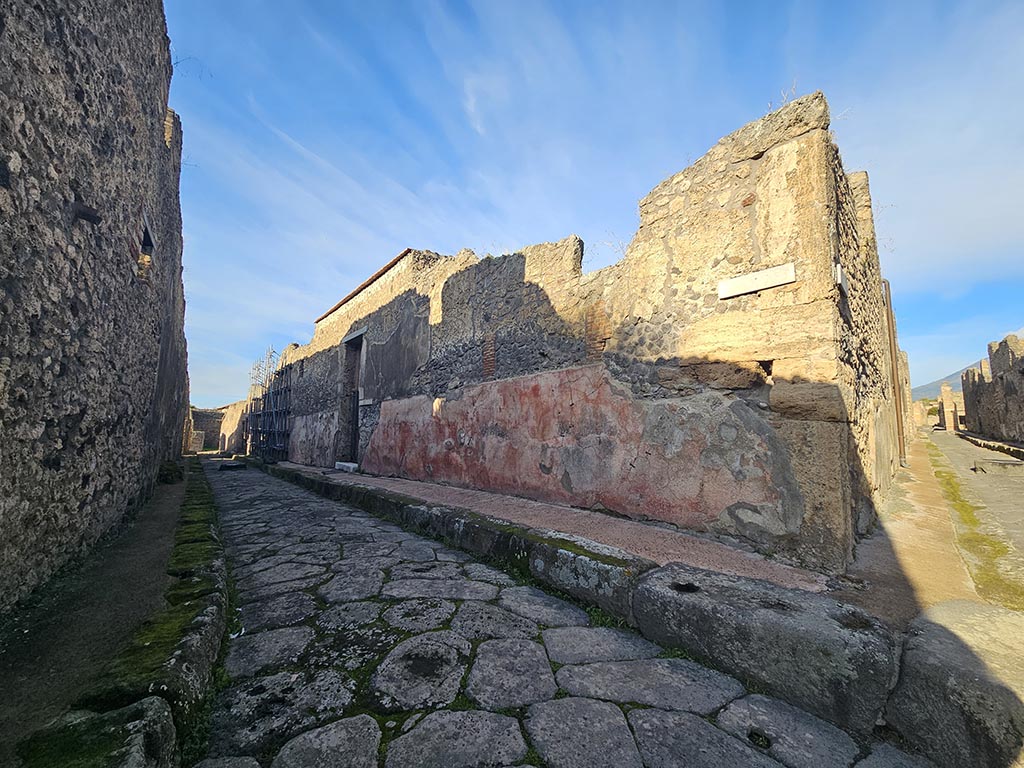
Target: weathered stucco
{"x":767,"y":415}
{"x":93,"y":388}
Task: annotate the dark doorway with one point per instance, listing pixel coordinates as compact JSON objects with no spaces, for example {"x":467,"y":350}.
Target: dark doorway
{"x":351,"y":394}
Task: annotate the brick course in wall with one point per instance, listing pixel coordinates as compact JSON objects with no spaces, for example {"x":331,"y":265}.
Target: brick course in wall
{"x":93,"y":387}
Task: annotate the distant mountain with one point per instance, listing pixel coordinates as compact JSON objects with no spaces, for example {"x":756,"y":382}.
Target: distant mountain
{"x":931,"y":389}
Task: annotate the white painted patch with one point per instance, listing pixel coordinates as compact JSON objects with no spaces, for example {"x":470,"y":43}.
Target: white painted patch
{"x":761,"y":280}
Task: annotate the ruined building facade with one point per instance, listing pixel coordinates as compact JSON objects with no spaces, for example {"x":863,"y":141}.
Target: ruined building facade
{"x":93,"y":387}
{"x":994,"y":392}
{"x":735,"y":373}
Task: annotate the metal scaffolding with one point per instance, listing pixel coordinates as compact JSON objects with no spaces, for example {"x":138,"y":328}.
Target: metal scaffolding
{"x":266,"y":420}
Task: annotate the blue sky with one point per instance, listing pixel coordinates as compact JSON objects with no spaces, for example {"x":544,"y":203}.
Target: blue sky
{"x":322,"y":138}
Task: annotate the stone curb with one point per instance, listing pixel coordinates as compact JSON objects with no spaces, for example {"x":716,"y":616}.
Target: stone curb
{"x":828,"y":658}
{"x":595,"y":574}
{"x":993,"y":445}
{"x":171,"y":690}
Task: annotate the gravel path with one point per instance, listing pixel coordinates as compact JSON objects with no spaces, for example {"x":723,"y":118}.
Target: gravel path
{"x":364,"y":645}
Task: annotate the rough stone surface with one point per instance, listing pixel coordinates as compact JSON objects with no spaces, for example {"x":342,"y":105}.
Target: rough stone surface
{"x":451,"y":589}
{"x":671,"y":739}
{"x":93,"y":383}
{"x":887,"y":756}
{"x":228,"y":762}
{"x":510,"y":673}
{"x":475,"y":621}
{"x":354,"y":662}
{"x":274,"y":648}
{"x":351,"y":586}
{"x":349,"y":743}
{"x":828,"y":658}
{"x":961,"y":687}
{"x":797,"y":739}
{"x":264,"y":710}
{"x":579,"y":645}
{"x":423,"y":672}
{"x":458,"y":740}
{"x":348,"y":615}
{"x":531,"y":603}
{"x":579,"y":733}
{"x":141,"y":735}
{"x":665,"y":683}
{"x":282,"y":611}
{"x":993,"y":397}
{"x":419,"y":615}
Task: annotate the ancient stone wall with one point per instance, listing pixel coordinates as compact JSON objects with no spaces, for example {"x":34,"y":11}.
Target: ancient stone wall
{"x":994,"y":393}
{"x":732,"y":374}
{"x":208,"y":421}
{"x":232,"y":428}
{"x":93,"y":388}
{"x":951,"y":409}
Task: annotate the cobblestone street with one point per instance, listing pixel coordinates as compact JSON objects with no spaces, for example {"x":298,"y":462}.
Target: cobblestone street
{"x":361,"y":645}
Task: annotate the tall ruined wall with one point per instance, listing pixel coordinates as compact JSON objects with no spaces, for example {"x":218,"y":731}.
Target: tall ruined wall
{"x":724,"y":376}
{"x":232,"y":428}
{"x":93,"y":388}
{"x":208,"y":421}
{"x":993,"y":397}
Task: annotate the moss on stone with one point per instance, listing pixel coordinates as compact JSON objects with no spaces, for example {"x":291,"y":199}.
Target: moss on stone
{"x":71,"y":747}
{"x":983,"y":550}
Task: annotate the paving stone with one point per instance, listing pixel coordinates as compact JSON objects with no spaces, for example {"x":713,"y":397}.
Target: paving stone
{"x":887,"y":756}
{"x":419,"y":615}
{"x":796,"y":739}
{"x":579,"y":645}
{"x":458,"y":740}
{"x":281,"y":611}
{"x":353,"y":648}
{"x":348,"y":615}
{"x":581,"y":733}
{"x":417,"y":551}
{"x":360,"y":549}
{"x":431,"y":570}
{"x":477,"y":621}
{"x":349,"y":743}
{"x":365,"y":564}
{"x":251,"y":654}
{"x":266,"y":710}
{"x":510,"y":673}
{"x":665,"y":683}
{"x":349,"y":587}
{"x":452,"y":589}
{"x":279,"y":573}
{"x":482,"y":572}
{"x":452,"y":556}
{"x":673,"y":739}
{"x":423,"y":672}
{"x":533,"y":604}
{"x":279,"y":588}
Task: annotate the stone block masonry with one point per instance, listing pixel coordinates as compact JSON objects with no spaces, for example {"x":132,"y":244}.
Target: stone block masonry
{"x":993,"y":395}
{"x":735,"y":373}
{"x":93,"y":387}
